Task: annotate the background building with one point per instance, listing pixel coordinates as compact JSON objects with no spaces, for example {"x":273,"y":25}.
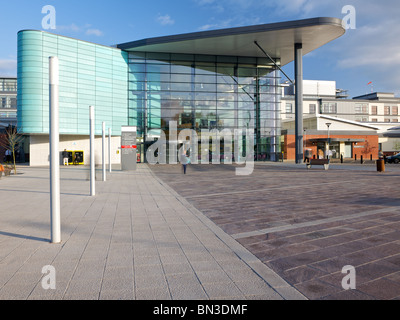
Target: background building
{"x":8,"y":108}
{"x":8,"y":101}
{"x":322,"y":97}
{"x":343,"y":138}
{"x":370,"y":116}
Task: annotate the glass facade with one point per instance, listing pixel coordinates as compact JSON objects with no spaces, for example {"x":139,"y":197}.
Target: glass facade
{"x":205,"y":92}
{"x":90,"y":74}
{"x":149,"y":91}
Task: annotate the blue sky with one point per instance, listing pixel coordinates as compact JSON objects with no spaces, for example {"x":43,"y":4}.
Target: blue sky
{"x":370,"y":52}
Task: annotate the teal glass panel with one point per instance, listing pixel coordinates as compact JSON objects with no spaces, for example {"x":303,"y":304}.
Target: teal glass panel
{"x":89,"y":75}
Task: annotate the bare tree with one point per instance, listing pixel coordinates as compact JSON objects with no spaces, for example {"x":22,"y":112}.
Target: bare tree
{"x":10,"y":141}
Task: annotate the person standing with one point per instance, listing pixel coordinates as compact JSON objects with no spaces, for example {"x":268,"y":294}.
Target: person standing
{"x":65,"y":157}
{"x":184,"y":161}
{"x":8,"y":156}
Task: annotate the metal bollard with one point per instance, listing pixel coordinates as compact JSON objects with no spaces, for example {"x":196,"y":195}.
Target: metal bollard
{"x":380,"y":165}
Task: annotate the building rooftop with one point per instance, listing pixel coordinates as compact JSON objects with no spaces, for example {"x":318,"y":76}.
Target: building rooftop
{"x":277,"y":39}
{"x":381,"y":96}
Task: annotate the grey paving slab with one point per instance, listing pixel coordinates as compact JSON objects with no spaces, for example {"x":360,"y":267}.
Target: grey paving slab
{"x":136,"y":239}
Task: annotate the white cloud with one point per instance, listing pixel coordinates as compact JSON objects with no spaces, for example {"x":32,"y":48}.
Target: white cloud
{"x":86,"y":29}
{"x":94,"y":32}
{"x":8,"y":67}
{"x":220,"y":25}
{"x":165,"y":20}
{"x":71,"y":27}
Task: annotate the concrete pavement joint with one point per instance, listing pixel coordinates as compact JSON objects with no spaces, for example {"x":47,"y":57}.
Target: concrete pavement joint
{"x":285,"y":290}
{"x":311,"y":223}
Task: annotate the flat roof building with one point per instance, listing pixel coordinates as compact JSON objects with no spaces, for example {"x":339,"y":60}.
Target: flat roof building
{"x":8,"y":101}
{"x":212,"y":80}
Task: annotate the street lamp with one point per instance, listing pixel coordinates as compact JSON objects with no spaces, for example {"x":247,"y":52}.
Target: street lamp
{"x":327,"y":144}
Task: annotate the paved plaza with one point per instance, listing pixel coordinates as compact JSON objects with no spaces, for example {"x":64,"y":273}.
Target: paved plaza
{"x":306,"y":225}
{"x":137,"y":239}
{"x":282,"y":233}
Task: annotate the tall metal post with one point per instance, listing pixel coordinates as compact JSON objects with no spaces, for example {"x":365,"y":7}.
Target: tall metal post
{"x":92,"y":163}
{"x":328,"y":141}
{"x":54,"y":151}
{"x":109,"y":150}
{"x":103,"y":142}
{"x":299,"y":101}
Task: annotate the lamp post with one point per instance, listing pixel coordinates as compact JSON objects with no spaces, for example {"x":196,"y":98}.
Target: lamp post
{"x":327,"y":144}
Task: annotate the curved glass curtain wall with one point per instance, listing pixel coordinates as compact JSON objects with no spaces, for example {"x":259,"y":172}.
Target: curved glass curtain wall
{"x":205,"y":92}
{"x":90,"y":74}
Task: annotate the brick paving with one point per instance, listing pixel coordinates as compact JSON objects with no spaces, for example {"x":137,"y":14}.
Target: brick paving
{"x":306,"y":225}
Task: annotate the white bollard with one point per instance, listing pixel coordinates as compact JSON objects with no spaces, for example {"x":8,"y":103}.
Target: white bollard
{"x":54,"y":150}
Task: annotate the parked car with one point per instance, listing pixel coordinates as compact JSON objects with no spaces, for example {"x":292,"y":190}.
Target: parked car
{"x":395,"y":158}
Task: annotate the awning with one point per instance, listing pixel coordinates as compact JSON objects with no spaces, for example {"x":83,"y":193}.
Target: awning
{"x":277,"y":39}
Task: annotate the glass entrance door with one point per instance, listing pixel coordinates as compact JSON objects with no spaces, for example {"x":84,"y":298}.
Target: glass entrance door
{"x":348,"y":150}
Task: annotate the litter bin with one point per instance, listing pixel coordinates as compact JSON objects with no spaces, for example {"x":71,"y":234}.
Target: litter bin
{"x":380,"y":165}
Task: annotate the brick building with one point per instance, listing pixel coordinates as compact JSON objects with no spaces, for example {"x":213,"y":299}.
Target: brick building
{"x":343,"y":138}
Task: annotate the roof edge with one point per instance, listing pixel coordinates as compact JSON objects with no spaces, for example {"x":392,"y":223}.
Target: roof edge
{"x":233,"y":31}
{"x":60,"y":35}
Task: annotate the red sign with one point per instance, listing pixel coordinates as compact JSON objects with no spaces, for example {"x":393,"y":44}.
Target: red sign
{"x":128,"y":147}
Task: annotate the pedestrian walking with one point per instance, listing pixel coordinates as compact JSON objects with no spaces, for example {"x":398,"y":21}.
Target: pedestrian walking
{"x":8,"y":156}
{"x":184,"y":161}
{"x":65,"y":157}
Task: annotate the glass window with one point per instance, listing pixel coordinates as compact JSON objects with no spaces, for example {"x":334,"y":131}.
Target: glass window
{"x":247,"y":72}
{"x":181,"y":86}
{"x":210,"y":87}
{"x":288,"y":108}
{"x":181,"y":78}
{"x":202,"y":96}
{"x":205,"y":68}
{"x":374,"y":110}
{"x":312,"y":108}
{"x":395,"y":110}
{"x":13,"y":103}
{"x":203,"y":78}
{"x":158,"y":68}
{"x":182,"y":68}
{"x":328,"y":107}
{"x":361,"y":108}
{"x":226,"y":70}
